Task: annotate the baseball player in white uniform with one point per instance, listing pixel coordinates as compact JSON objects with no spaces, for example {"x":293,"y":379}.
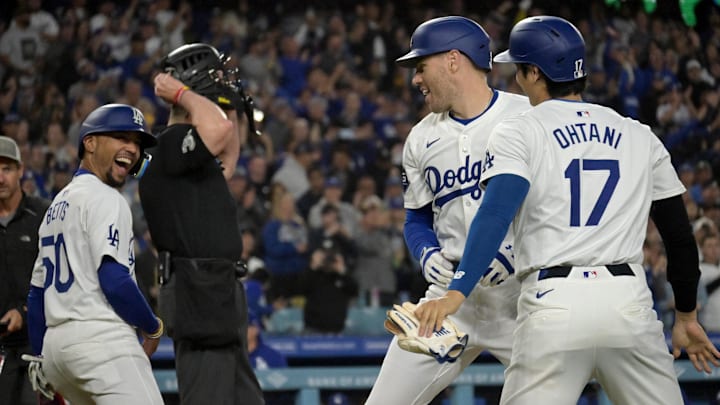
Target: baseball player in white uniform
{"x":442,"y":159}
{"x":578,"y":181}
{"x":84,"y":303}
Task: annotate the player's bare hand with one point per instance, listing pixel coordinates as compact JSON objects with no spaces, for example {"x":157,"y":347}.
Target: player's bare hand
{"x":431,"y":313}
{"x":689,"y":335}
{"x":150,"y":345}
{"x":167,"y":86}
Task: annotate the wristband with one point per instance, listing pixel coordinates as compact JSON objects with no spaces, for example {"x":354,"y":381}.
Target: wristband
{"x":159,"y":332}
{"x":179,"y":94}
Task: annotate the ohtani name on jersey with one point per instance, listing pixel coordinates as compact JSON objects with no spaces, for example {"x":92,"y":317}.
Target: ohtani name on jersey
{"x":56,"y":211}
{"x":467,"y":174}
{"x":586,"y":132}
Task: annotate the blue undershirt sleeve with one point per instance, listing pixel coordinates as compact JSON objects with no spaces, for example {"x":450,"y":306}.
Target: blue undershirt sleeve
{"x":36,"y":318}
{"x":504,"y":195}
{"x":125,"y":297}
{"x":418,"y":230}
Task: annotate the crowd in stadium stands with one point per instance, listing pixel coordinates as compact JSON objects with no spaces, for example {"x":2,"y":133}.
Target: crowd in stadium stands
{"x":320,"y":191}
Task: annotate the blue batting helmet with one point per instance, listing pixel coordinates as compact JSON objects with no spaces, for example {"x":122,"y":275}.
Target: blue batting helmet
{"x":445,"y":34}
{"x":115,"y":118}
{"x":552,"y":44}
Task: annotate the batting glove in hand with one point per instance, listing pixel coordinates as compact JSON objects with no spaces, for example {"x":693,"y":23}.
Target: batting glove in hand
{"x":436,"y":268}
{"x":37,"y":376}
{"x":502,"y":267}
{"x":445,"y":345}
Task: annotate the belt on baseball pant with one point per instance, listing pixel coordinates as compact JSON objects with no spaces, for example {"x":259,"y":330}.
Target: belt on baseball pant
{"x":564,"y":271}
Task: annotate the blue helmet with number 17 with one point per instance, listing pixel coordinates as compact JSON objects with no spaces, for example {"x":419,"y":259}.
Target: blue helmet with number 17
{"x":444,"y":34}
{"x":552,"y":44}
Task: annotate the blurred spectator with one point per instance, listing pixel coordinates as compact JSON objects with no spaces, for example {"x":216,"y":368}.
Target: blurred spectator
{"x":333,"y":233}
{"x":252,"y":213}
{"x":258,"y":64}
{"x":293,"y":173}
{"x":22,"y":48}
{"x":393,"y":188}
{"x":411,"y":285}
{"x":20,"y":218}
{"x":374,"y":270}
{"x":285,"y":240}
{"x":294,"y":65}
{"x":257,"y":173}
{"x":172,"y":23}
{"x":341,"y":167}
{"x":349,"y":216}
{"x":58,"y":145}
{"x":60,"y":175}
{"x":316,"y":178}
{"x":709,"y":314}
{"x":328,"y":290}
{"x":366,"y":187}
{"x":257,"y":288}
{"x":262,"y":356}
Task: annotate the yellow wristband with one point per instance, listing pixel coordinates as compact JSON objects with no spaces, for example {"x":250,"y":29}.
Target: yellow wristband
{"x":159,"y":332}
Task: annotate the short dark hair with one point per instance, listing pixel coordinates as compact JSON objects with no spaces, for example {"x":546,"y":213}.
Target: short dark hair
{"x":556,"y":89}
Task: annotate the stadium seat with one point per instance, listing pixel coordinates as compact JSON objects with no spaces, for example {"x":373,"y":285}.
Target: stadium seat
{"x":286,"y":321}
{"x":365,"y":321}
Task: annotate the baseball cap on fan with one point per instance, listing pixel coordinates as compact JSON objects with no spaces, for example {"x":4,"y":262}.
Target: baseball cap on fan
{"x":9,"y":149}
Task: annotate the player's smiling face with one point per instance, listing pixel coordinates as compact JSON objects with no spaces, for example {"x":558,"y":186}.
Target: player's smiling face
{"x":432,"y":79}
{"x":113,"y":155}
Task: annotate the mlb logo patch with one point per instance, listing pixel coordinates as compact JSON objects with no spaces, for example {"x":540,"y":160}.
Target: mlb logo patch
{"x":583,"y":113}
{"x":590,"y":274}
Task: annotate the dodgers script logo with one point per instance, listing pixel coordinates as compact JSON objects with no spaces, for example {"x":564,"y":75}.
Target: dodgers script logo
{"x":463,"y":180}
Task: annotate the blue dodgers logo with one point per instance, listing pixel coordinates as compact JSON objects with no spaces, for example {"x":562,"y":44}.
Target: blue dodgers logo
{"x":463,"y":180}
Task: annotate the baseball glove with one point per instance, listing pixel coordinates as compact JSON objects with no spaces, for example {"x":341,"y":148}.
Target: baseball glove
{"x":445,"y":345}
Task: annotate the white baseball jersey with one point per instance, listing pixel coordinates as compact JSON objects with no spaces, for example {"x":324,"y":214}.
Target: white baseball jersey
{"x":593,"y":175}
{"x":442,"y":161}
{"x":90,"y":352}
{"x":86,"y":221}
{"x":609,"y":168}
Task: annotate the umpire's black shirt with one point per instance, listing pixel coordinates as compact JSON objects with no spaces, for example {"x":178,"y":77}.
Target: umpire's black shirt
{"x":186,"y":201}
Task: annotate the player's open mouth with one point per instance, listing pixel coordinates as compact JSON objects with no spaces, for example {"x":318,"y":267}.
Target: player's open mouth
{"x":123,"y":162}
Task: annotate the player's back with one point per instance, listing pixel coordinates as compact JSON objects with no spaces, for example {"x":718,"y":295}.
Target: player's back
{"x":593,"y":175}
{"x":86,"y":221}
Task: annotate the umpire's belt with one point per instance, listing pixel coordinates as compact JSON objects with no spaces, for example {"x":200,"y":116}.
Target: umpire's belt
{"x":167,"y":262}
{"x":564,"y":271}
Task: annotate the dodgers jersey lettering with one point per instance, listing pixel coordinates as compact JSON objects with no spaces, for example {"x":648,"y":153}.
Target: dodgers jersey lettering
{"x":432,"y":173}
{"x":600,"y":159}
{"x":87,"y":212}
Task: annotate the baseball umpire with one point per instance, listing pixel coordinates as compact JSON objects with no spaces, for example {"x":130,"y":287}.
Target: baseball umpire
{"x":84,"y":303}
{"x":579,"y":182}
{"x":191,"y":216}
{"x":441,"y":163}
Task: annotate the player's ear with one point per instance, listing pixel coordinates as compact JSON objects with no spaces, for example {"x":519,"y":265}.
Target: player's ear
{"x":90,"y":143}
{"x":453,"y":60}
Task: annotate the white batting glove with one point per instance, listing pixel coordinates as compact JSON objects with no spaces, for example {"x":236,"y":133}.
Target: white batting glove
{"x":37,"y":376}
{"x":436,"y":268}
{"x":502,"y":267}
